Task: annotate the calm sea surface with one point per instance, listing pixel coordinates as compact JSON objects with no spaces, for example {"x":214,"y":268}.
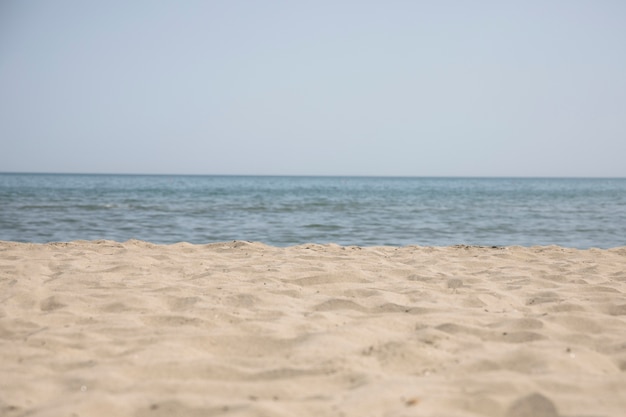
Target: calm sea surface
{"x":286,"y":211}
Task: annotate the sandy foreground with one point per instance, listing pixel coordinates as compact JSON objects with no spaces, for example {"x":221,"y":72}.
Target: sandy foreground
{"x":244,"y":329}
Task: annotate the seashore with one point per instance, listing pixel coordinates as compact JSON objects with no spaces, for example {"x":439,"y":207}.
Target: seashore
{"x":100,"y":328}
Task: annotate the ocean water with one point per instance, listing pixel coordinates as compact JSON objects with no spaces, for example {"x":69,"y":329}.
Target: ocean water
{"x":285,"y":211}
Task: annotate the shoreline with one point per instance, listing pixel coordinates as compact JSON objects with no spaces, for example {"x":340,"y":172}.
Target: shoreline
{"x":243,"y":328}
{"x":139,"y":242}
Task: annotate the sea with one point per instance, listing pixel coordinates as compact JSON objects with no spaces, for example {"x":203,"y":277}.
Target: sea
{"x":292,"y":210}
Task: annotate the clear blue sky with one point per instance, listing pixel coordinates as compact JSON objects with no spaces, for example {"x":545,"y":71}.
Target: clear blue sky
{"x":424,"y":88}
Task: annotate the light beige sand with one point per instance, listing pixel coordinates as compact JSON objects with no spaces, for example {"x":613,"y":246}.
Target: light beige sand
{"x":243,"y":329}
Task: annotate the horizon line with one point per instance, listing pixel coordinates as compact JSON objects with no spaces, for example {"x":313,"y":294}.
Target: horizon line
{"x":315,"y":175}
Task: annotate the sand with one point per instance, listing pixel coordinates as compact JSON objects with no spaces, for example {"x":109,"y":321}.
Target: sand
{"x":244,"y":329}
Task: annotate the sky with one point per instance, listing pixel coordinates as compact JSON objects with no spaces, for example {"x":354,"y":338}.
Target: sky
{"x":341,"y":87}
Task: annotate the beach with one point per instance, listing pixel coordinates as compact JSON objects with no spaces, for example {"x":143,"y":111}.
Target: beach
{"x":101,"y":328}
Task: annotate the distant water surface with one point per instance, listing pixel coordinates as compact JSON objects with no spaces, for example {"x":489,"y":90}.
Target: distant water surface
{"x":285,"y":211}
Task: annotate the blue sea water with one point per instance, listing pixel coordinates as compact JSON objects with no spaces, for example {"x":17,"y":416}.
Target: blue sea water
{"x":285,"y":211}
